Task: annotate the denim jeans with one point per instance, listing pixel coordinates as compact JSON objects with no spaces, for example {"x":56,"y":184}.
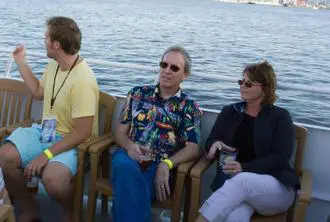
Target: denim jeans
{"x":133,"y":189}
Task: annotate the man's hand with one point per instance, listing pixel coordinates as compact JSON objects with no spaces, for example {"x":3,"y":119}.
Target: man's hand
{"x":19,"y":54}
{"x":36,"y":166}
{"x":162,"y":186}
{"x":232,"y":167}
{"x":135,"y":152}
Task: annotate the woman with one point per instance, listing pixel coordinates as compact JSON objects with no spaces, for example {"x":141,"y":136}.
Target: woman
{"x":261,"y":178}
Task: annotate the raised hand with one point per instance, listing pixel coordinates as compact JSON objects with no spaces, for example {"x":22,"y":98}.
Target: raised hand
{"x":19,"y":54}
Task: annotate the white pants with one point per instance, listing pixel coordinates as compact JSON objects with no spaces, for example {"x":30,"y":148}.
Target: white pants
{"x":245,"y":193}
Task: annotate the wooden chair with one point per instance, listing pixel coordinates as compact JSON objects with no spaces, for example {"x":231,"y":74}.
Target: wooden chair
{"x":6,"y":213}
{"x":295,"y":213}
{"x":99,"y":183}
{"x":15,"y":104}
{"x":106,"y":108}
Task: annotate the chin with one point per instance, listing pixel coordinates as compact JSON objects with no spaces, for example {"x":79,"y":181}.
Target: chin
{"x":165,"y":85}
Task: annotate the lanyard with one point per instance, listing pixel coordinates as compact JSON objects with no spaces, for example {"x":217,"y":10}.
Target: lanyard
{"x":54,"y":97}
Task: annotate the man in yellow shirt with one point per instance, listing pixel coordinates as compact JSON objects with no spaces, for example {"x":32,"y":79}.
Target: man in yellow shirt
{"x":70,"y":115}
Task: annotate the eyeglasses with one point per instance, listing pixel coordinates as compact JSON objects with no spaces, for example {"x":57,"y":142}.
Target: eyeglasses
{"x":247,"y":83}
{"x":173,"y":67}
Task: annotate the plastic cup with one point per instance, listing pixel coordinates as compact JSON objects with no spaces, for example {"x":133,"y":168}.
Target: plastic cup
{"x":33,"y":185}
{"x":146,"y":157}
{"x":146,"y":162}
{"x":226,"y":156}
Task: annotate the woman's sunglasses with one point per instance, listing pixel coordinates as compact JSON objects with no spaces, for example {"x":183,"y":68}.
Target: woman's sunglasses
{"x":173,"y":67}
{"x":247,"y":83}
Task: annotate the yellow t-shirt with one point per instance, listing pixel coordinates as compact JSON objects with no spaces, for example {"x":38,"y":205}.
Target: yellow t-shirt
{"x":78,"y":97}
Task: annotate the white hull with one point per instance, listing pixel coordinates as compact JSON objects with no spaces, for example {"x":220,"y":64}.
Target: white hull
{"x":316,"y":159}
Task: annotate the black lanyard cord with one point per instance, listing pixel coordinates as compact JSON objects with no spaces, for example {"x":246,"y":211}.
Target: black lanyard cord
{"x":54,"y":97}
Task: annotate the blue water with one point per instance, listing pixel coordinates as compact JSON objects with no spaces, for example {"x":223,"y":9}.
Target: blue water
{"x":221,"y":37}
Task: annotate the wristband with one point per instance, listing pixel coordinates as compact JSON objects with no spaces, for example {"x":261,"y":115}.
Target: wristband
{"x":168,"y":162}
{"x":48,"y":154}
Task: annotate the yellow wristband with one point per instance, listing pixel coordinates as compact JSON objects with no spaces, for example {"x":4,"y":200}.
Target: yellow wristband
{"x":168,"y":162}
{"x":48,"y":154}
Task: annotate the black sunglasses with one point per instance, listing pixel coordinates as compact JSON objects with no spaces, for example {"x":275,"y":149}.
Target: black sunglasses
{"x":173,"y":67}
{"x":247,"y":83}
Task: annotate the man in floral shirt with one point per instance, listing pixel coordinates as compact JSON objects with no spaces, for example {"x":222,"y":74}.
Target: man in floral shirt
{"x":159,"y":121}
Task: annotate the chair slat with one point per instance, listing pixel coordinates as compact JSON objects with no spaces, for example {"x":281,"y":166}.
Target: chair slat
{"x":1,"y":106}
{"x":19,"y":107}
{"x":15,"y":99}
{"x":13,"y":104}
{"x":6,"y":108}
{"x":28,"y":106}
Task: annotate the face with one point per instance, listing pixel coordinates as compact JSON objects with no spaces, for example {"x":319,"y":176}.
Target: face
{"x":51,"y":46}
{"x":253,"y":93}
{"x":172,"y":72}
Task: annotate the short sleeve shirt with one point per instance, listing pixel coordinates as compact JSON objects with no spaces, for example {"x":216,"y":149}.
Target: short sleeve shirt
{"x":164,"y":124}
{"x":77,"y":98}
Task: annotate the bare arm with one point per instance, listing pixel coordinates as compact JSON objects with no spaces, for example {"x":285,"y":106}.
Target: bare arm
{"x":82,"y":130}
{"x":189,"y":152}
{"x":122,"y":139}
{"x":29,"y":79}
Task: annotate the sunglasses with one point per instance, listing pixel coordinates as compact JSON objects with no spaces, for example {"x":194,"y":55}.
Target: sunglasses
{"x":247,"y":83}
{"x":173,"y":67}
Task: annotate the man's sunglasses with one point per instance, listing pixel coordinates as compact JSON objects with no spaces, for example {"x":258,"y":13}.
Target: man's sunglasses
{"x":173,"y":67}
{"x":247,"y":83}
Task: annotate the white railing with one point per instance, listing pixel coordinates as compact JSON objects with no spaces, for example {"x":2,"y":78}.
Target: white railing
{"x":290,"y":86}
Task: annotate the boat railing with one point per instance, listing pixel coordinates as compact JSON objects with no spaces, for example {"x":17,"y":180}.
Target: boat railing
{"x":290,"y":86}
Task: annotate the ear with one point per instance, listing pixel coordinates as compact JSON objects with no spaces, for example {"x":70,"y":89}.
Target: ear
{"x":186,"y":74}
{"x":57,"y":45}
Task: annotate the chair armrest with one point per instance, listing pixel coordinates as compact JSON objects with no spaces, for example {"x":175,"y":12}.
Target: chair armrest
{"x":99,"y":147}
{"x":84,"y":146}
{"x":202,"y":165}
{"x":183,"y":168}
{"x":2,"y":133}
{"x":305,"y":193}
{"x":6,"y":213}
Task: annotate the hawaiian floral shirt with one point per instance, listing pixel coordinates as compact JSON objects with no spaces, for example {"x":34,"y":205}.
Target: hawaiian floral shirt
{"x":165,"y":125}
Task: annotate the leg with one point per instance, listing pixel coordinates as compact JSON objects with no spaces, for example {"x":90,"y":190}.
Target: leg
{"x":276,"y":199}
{"x":132,"y":192}
{"x":255,"y":189}
{"x":201,"y":218}
{"x":19,"y":149}
{"x":15,"y":183}
{"x":59,"y":184}
{"x":224,"y":200}
{"x":59,"y":181}
{"x":242,"y":213}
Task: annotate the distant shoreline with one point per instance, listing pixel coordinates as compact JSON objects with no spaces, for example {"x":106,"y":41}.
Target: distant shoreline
{"x":276,"y":3}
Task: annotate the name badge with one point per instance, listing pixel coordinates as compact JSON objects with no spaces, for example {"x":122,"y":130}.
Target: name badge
{"x":48,"y":130}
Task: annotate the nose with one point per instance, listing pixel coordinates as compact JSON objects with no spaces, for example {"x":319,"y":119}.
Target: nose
{"x":168,"y":69}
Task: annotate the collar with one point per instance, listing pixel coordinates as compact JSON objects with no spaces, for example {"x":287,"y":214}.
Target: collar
{"x":157,"y":92}
{"x":240,"y":107}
